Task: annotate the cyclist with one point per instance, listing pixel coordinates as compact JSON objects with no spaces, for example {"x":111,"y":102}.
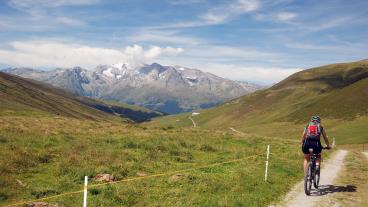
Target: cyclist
{"x":311,"y":139}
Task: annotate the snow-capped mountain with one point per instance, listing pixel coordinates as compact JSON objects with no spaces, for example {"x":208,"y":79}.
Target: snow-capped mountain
{"x":170,"y":89}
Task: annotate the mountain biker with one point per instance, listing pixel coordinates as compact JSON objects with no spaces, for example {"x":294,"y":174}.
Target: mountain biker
{"x":311,"y":139}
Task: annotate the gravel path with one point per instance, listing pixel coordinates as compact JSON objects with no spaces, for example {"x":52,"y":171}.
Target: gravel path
{"x":366,"y":154}
{"x":330,"y":170}
{"x":194,"y":124}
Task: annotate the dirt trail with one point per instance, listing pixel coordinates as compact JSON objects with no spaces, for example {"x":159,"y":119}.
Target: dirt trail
{"x":194,"y":124}
{"x":329,"y":172}
{"x":234,"y":130}
{"x":366,"y":154}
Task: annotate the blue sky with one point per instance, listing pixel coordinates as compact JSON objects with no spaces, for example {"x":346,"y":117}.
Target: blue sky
{"x":253,"y":40}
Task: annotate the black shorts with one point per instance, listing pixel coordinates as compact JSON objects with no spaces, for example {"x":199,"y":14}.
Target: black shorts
{"x":312,"y":143}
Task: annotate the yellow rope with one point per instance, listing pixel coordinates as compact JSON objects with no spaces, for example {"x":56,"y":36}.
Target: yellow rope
{"x":133,"y":179}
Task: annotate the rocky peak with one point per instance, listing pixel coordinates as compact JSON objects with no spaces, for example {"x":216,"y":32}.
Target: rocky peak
{"x":171,"y":89}
{"x":154,"y":67}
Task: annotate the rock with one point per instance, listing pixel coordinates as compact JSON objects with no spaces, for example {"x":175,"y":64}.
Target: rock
{"x":21,"y":183}
{"x":43,"y":204}
{"x":104,"y":178}
{"x":141,"y":174}
{"x":177,"y":177}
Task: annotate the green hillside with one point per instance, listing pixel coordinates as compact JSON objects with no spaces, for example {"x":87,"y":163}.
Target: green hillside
{"x":43,"y":155}
{"x":21,"y":96}
{"x":133,"y":112}
{"x":335,"y":92}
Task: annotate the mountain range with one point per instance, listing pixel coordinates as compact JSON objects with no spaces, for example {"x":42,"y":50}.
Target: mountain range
{"x":169,"y":89}
{"x":21,"y":96}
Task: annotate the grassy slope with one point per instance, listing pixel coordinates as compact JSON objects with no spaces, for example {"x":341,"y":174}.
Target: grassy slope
{"x":51,"y":156}
{"x":335,"y":92}
{"x":133,"y":113}
{"x":128,"y":106}
{"x":27,"y":97}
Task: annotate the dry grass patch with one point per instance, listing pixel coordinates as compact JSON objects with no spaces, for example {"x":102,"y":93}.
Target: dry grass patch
{"x":353,"y":181}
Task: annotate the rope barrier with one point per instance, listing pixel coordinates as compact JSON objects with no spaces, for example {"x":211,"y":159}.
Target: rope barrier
{"x":134,"y":179}
{"x":263,"y":137}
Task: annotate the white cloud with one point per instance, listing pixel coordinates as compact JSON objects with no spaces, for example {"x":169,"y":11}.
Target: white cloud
{"x":336,"y":22}
{"x":53,"y":53}
{"x":265,"y":75}
{"x":59,"y":54}
{"x":225,"y":13}
{"x":183,"y":2}
{"x":137,"y":54}
{"x":25,"y":5}
{"x":217,"y":52}
{"x":198,"y":55}
{"x":246,"y":5}
{"x":320,"y":25}
{"x":40,"y":12}
{"x":234,"y":63}
{"x":165,"y":36}
{"x":338,"y":50}
{"x":308,"y":46}
{"x":70,"y":21}
{"x":286,"y":16}
{"x":217,"y":14}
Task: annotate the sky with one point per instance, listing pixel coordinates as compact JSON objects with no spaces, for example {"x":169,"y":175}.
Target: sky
{"x":261,"y":41}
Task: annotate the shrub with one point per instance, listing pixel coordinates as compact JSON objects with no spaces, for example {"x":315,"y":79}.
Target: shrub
{"x":42,"y":192}
{"x":3,"y":196}
{"x":131,"y":145}
{"x":45,"y":157}
{"x":94,"y":191}
{"x":3,"y":139}
{"x":207,"y":148}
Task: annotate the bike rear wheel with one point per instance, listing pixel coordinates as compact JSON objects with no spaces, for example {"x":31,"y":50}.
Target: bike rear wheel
{"x":316,"y":177}
{"x":308,"y":180}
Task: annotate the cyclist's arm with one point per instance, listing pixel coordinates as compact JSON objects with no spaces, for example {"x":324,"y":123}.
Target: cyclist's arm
{"x":304,"y":135}
{"x":325,"y":137}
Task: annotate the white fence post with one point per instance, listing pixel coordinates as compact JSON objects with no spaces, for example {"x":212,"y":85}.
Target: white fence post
{"x":268,"y":154}
{"x":85,"y":191}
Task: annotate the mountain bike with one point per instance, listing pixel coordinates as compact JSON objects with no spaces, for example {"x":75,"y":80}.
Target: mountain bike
{"x":312,"y":175}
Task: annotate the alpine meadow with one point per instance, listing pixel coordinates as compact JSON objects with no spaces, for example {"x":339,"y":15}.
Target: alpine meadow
{"x":183,"y":103}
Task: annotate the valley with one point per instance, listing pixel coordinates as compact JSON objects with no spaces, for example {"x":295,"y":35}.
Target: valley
{"x":50,"y":140}
{"x":183,"y":103}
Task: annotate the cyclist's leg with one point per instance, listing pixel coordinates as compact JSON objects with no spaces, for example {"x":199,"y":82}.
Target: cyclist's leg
{"x":306,"y":153}
{"x":318,"y":151}
{"x":306,"y":160}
